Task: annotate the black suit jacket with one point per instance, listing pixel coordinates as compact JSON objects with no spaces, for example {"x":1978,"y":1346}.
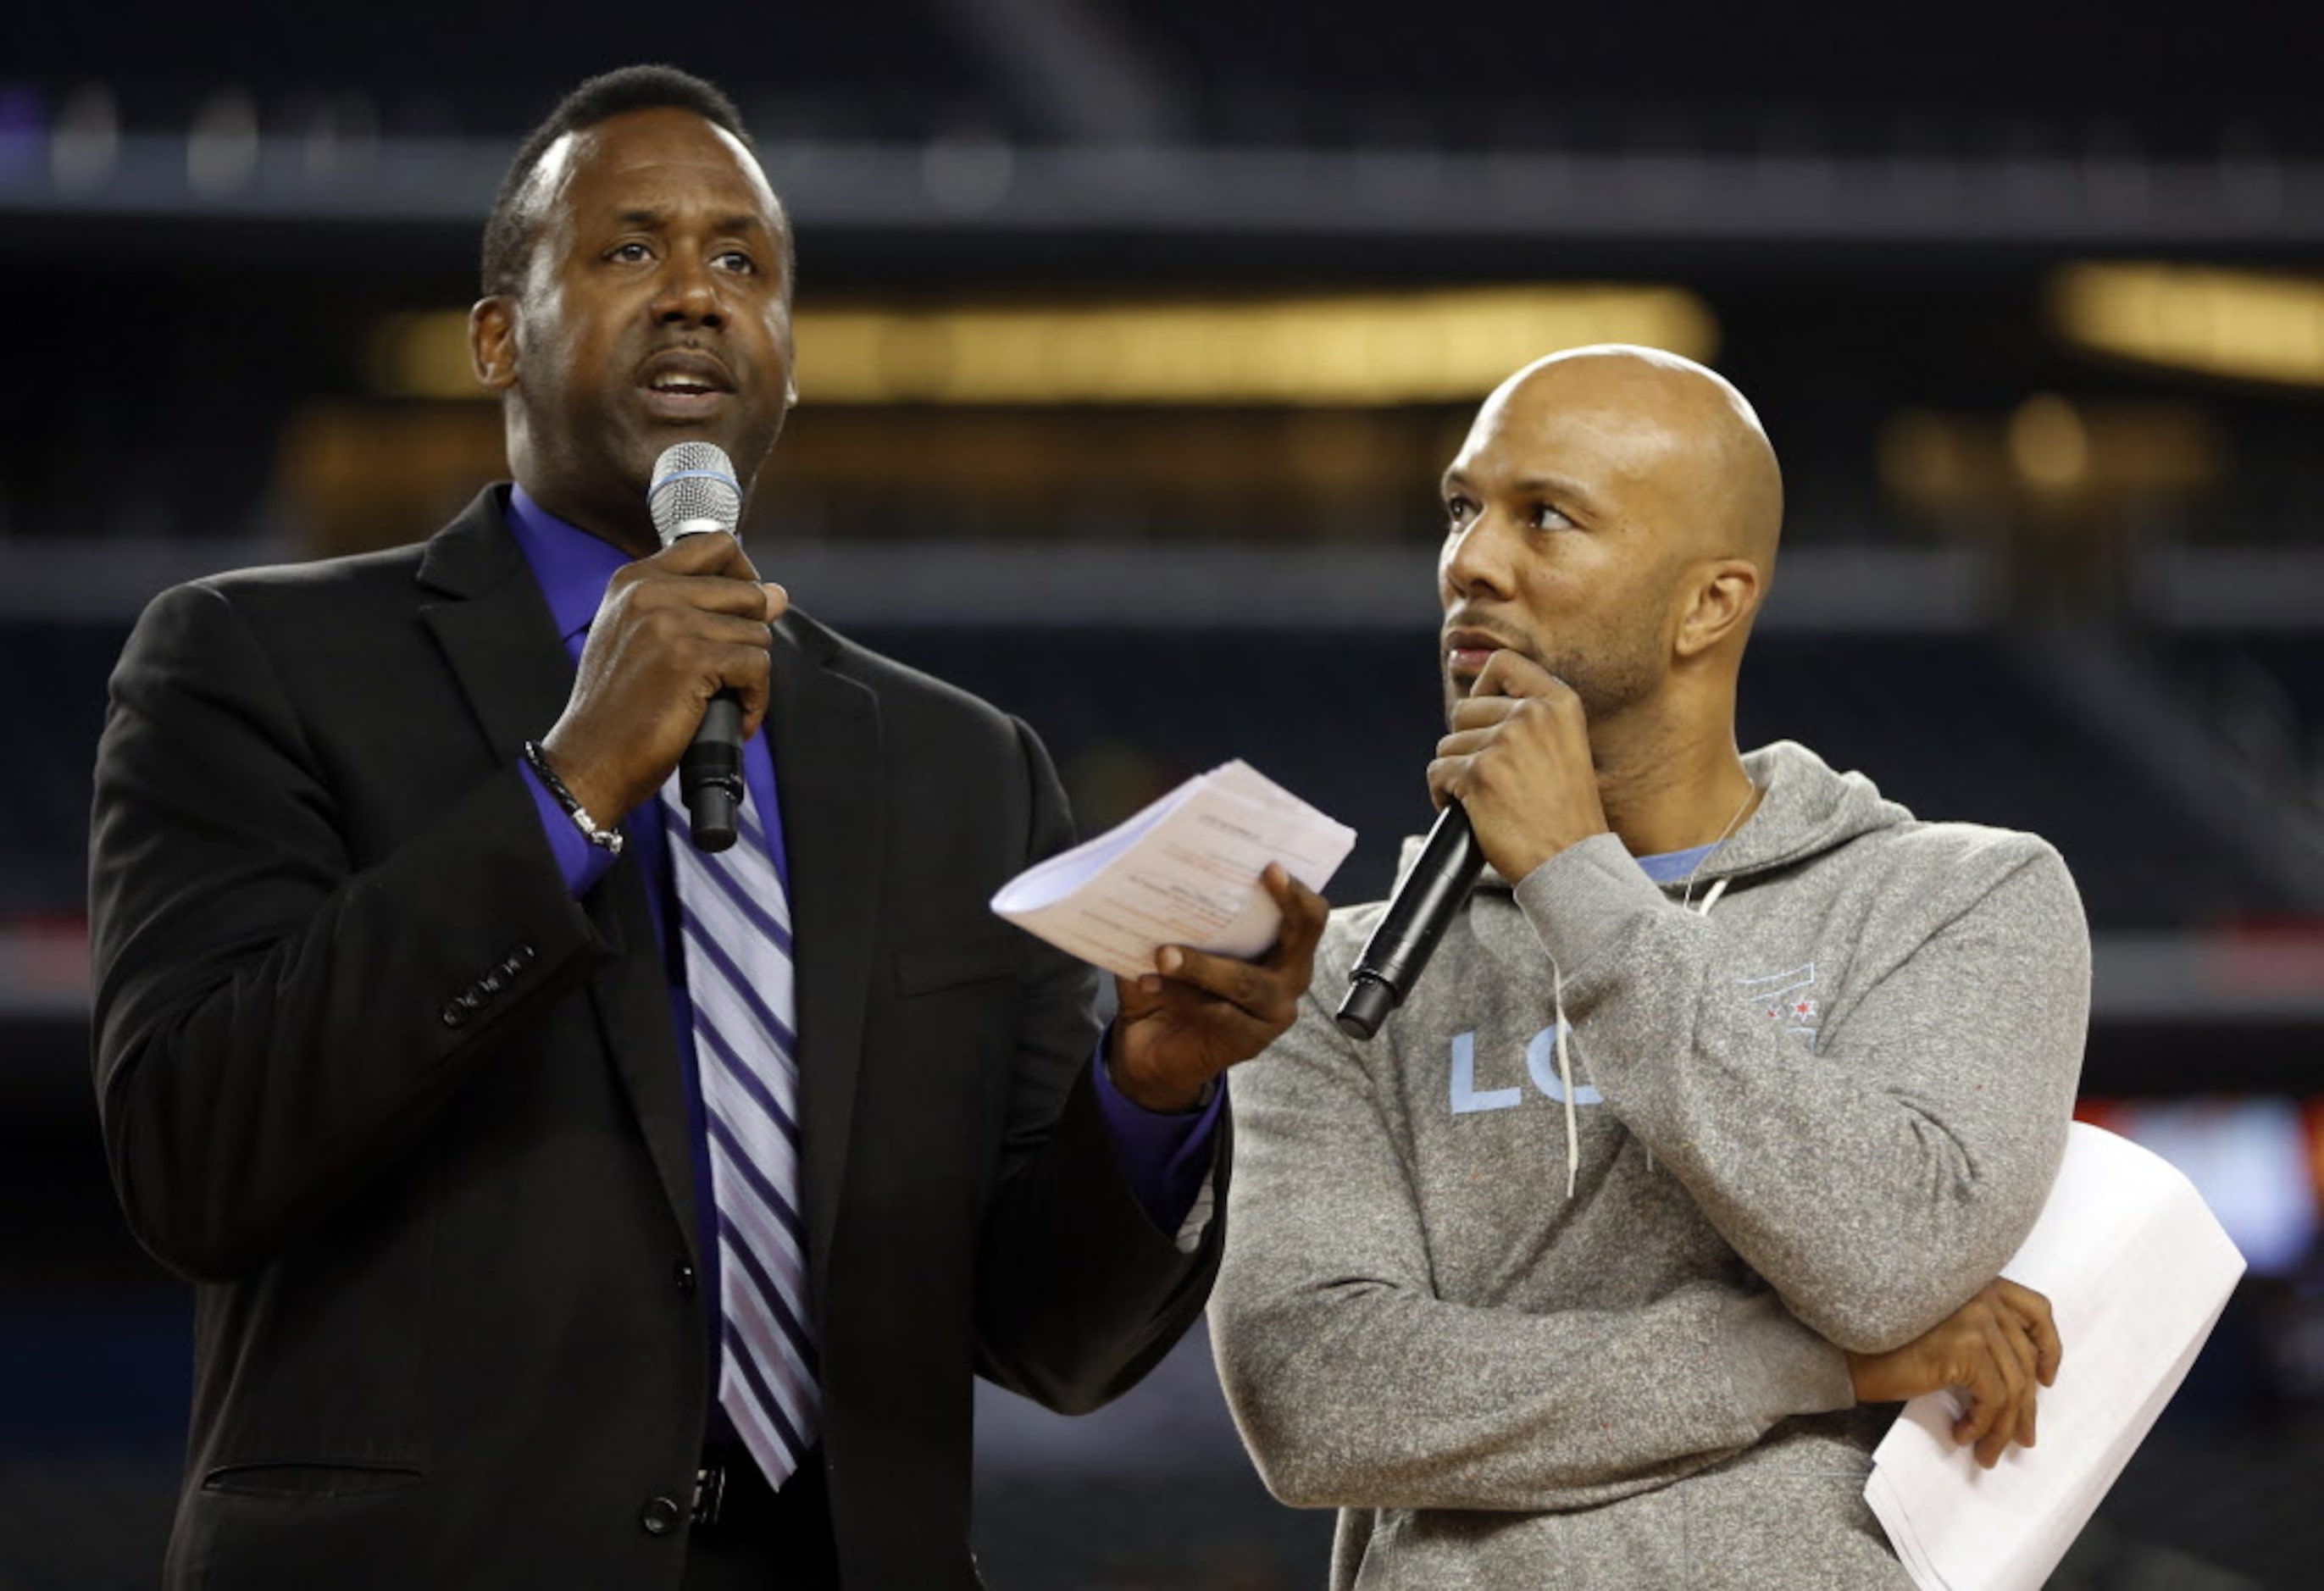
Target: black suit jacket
{"x":447,"y":1328}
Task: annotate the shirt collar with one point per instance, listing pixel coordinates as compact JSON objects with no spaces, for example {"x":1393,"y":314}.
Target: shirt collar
{"x":1671,"y":867}
{"x":572,"y":565}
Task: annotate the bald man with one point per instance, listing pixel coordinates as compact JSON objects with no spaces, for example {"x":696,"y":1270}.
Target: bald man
{"x":1703,"y":1137}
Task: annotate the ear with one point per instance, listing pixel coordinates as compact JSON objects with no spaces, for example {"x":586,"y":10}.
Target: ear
{"x":1726,"y":594}
{"x":492,"y":342}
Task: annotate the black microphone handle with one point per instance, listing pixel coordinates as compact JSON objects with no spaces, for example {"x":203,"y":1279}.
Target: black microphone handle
{"x":1417,"y":915}
{"x":710,"y":774}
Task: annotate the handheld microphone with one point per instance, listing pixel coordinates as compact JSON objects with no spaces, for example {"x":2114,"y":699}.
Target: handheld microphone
{"x":692,"y":493}
{"x":1417,"y":915}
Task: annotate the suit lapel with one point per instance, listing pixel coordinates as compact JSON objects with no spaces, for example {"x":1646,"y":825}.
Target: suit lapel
{"x":494,"y":628}
{"x":825,"y":730}
{"x":495,"y":631}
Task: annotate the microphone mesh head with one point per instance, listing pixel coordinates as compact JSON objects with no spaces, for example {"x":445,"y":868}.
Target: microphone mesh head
{"x":693,"y":490}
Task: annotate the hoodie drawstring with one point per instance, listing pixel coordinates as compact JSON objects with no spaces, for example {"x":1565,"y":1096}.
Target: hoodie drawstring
{"x":1565,"y":1077}
{"x":1566,"y":1065}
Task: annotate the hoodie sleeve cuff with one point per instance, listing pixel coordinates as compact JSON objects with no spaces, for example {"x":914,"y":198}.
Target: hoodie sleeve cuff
{"x":1777,"y":1367}
{"x":1580,"y":900}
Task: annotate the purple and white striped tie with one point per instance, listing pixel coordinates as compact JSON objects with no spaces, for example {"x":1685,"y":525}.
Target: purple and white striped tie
{"x":737,"y":931}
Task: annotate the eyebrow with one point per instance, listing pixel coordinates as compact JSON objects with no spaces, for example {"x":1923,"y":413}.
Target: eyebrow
{"x":740,"y":222}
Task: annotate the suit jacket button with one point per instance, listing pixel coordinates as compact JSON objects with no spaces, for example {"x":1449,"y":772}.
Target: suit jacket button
{"x":659,"y":1517}
{"x":686,"y":1279}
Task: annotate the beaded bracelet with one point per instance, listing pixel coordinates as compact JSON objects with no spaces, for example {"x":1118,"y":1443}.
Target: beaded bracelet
{"x":607,"y":840}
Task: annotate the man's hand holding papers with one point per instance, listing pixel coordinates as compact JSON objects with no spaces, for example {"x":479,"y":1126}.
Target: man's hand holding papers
{"x":1201,"y":1014}
{"x":1996,"y":1350}
{"x":1204,"y":907}
{"x":2137,"y":1270}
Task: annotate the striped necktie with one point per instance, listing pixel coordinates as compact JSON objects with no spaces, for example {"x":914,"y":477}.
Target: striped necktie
{"x":737,"y":932}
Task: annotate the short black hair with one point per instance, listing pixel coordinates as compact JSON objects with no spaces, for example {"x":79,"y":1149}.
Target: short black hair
{"x":508,"y":230}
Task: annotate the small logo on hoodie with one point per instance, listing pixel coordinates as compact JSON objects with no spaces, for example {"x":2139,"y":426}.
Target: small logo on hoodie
{"x":1786,"y":998}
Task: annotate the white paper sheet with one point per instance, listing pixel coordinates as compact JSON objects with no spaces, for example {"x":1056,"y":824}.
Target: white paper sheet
{"x":1184,"y":871}
{"x":2136,"y":1270}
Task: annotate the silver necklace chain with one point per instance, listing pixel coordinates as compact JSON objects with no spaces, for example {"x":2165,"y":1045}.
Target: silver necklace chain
{"x":1750,"y":794}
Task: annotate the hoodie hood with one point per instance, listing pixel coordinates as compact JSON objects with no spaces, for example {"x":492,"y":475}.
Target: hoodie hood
{"x":1809,"y":809}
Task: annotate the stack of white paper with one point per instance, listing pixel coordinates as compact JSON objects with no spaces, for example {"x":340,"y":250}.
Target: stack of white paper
{"x":1184,"y":871}
{"x":2136,"y":1270}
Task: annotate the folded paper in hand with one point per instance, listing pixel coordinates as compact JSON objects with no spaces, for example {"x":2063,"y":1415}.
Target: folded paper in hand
{"x":2136,"y":1270}
{"x":1184,"y":871}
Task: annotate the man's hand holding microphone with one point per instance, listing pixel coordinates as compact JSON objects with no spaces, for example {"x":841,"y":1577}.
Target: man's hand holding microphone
{"x":678,"y":660}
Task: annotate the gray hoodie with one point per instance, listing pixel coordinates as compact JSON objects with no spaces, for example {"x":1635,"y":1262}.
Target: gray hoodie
{"x":1818,"y":1117}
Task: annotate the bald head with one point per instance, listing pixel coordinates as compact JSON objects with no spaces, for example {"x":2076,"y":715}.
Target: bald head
{"x":1613,"y":514}
{"x":1661,"y":423}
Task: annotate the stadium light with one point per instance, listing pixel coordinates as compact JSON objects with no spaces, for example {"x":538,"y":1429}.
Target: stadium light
{"x":2240,"y":324}
{"x":1346,"y":350}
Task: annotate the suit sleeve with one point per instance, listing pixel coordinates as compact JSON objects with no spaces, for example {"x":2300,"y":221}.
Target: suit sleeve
{"x":1880,"y":1176}
{"x":275,"y":1019}
{"x":1356,"y":1386}
{"x":1079,"y":1293}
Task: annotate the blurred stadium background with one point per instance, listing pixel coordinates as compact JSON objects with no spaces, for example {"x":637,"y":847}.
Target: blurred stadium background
{"x":1131,"y":340}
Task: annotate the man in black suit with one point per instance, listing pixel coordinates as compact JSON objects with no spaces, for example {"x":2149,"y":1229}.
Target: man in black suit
{"x":419,"y":1076}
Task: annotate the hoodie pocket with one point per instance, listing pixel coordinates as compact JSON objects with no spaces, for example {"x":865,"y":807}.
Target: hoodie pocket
{"x":1806,"y":1528}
